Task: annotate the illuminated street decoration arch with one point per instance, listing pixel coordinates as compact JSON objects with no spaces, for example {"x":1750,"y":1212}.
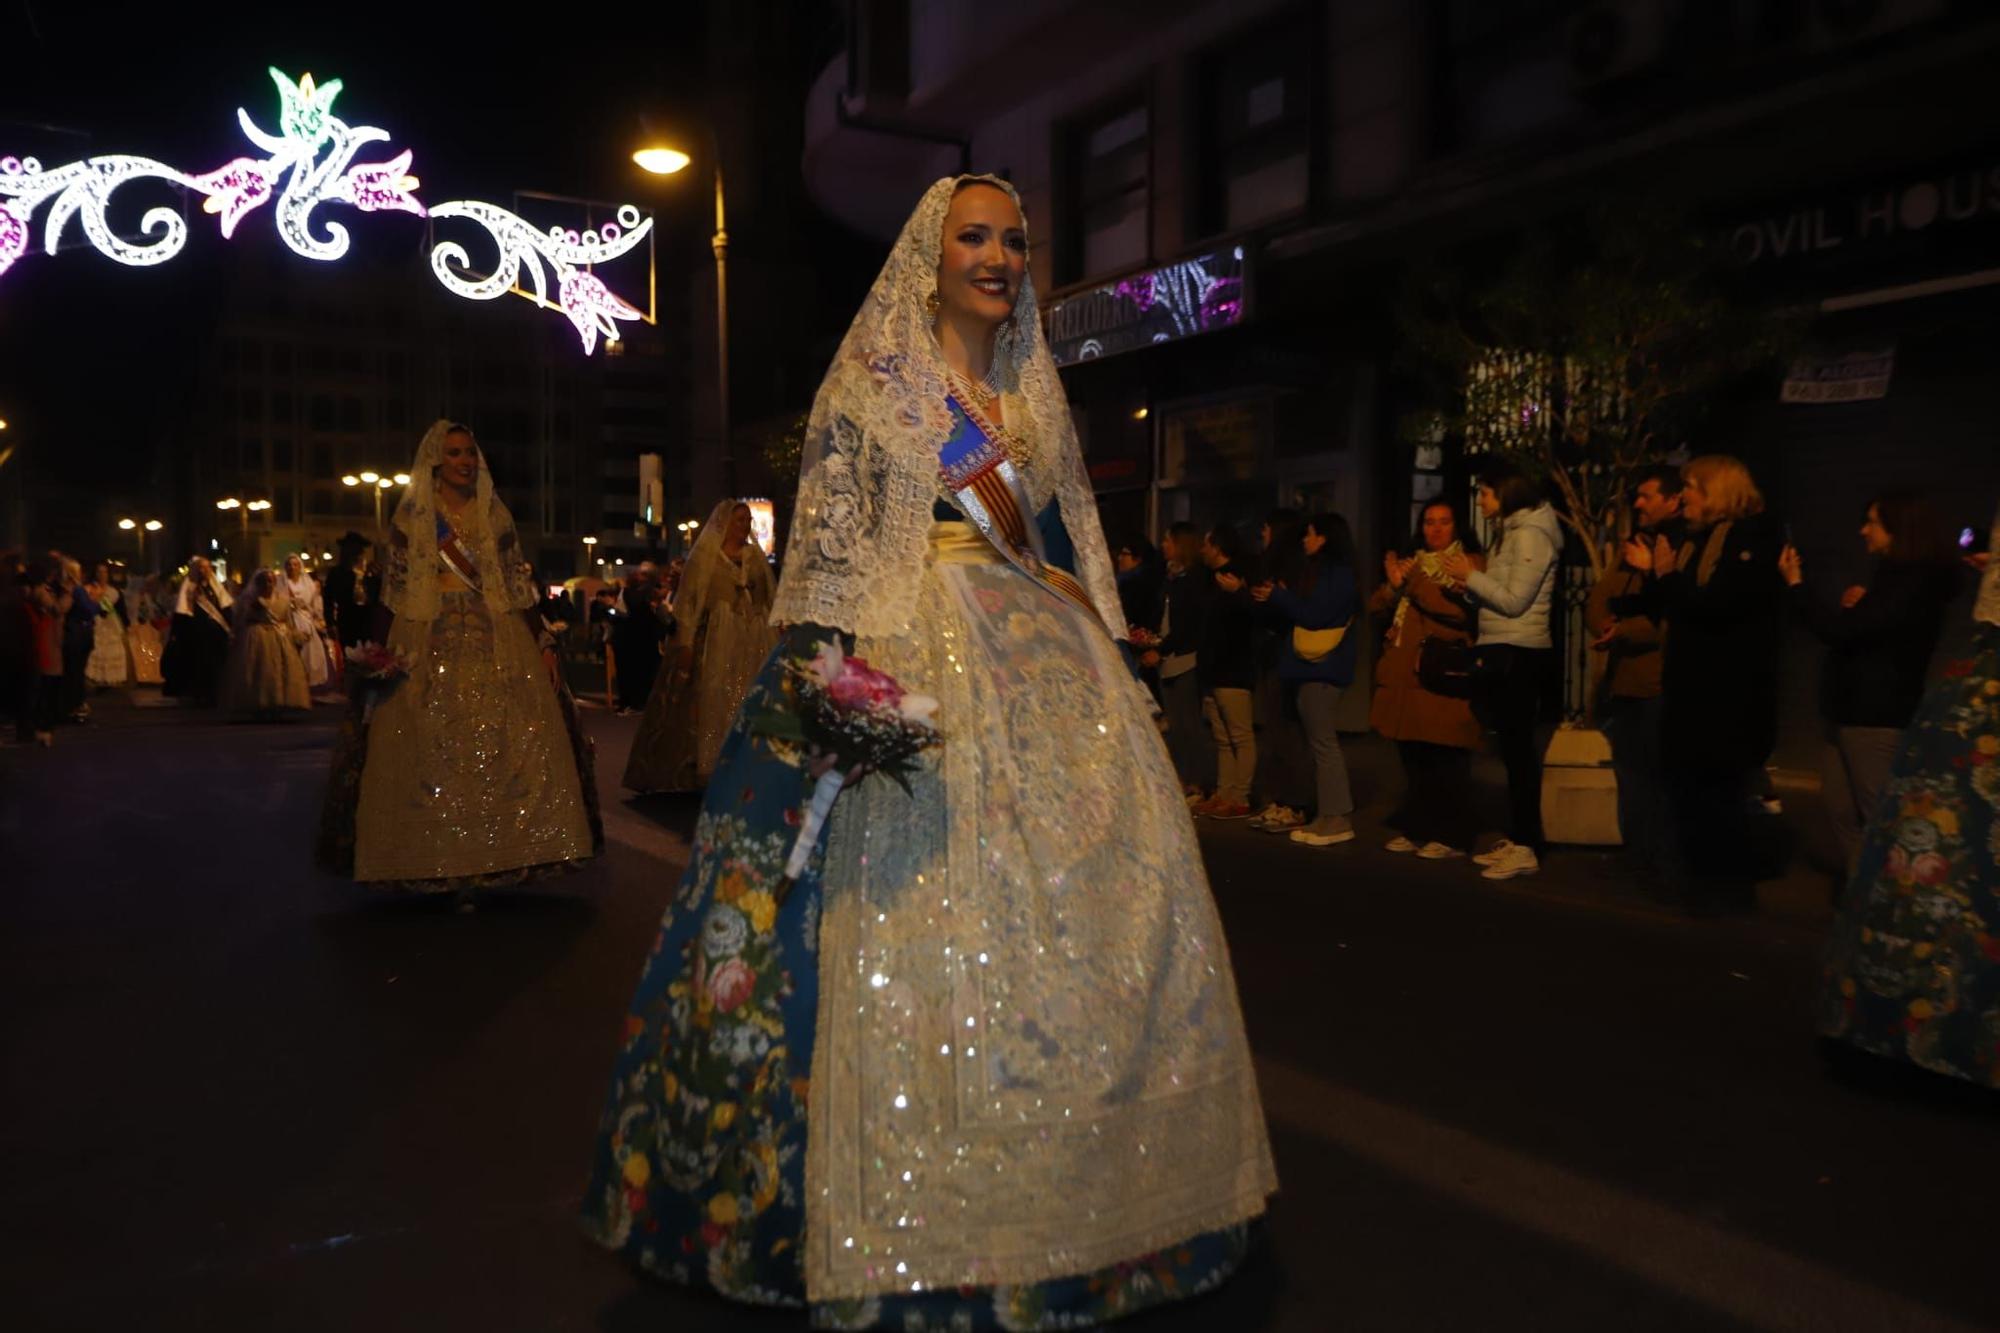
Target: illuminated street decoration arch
{"x":309,"y":164}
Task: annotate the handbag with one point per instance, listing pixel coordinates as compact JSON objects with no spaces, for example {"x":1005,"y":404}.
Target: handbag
{"x":1447,"y":667}
{"x":1310,"y":645}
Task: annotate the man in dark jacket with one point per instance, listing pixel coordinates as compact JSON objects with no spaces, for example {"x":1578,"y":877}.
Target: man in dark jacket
{"x":1628,"y":632}
{"x":351,"y":592}
{"x":1227,"y":667}
{"x":636,"y":635}
{"x":1188,"y":592}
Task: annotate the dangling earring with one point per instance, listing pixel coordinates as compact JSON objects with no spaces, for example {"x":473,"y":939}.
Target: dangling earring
{"x":932,"y":304}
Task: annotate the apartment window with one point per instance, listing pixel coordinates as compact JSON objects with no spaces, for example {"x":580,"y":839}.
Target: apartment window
{"x":281,"y":455}
{"x":350,"y":414}
{"x":320,"y":411}
{"x":251,"y":405}
{"x":281,"y":358}
{"x":281,"y":406}
{"x":252,"y":453}
{"x":283,"y":509}
{"x":322,"y":462}
{"x":1107,"y":159}
{"x":1256,"y":108}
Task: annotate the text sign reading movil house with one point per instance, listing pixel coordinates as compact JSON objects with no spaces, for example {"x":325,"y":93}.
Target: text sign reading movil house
{"x":1197,"y":295}
{"x":1928,"y":207}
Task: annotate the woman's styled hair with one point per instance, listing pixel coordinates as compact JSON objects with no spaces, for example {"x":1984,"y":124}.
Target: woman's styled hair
{"x":1728,"y":491}
{"x":1917,"y":536}
{"x":1468,"y":541}
{"x":1515,"y":489}
{"x":1335,"y":551}
{"x":1284,"y":562}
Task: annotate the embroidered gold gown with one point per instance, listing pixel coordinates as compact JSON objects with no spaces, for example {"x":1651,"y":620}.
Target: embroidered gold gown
{"x":470,"y":774}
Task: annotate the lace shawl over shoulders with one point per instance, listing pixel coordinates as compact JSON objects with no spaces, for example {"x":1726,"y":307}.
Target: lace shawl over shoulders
{"x":870,"y":472}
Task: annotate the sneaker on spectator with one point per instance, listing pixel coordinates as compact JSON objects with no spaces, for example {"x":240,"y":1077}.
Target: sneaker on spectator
{"x":1205,"y":806}
{"x":1226,"y":810}
{"x":1493,"y":853}
{"x":1437,"y":851}
{"x":1399,"y":844}
{"x":1516,"y":860}
{"x":1263,"y":817}
{"x":1325,"y":832}
{"x":1194,"y":796}
{"x":1279,"y":819}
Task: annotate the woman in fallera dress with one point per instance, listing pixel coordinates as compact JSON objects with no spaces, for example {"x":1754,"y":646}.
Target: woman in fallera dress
{"x":265,"y":678}
{"x":722,"y":634}
{"x":308,"y":621}
{"x":108,"y":667}
{"x":467,"y":773}
{"x":198,"y":640}
{"x":977,"y":1116}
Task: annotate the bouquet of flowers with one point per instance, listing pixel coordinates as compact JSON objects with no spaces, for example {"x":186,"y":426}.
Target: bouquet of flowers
{"x":838,"y":710}
{"x":373,"y":670}
{"x":1141,"y":638}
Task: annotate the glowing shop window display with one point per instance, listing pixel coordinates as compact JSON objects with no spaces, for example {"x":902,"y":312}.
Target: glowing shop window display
{"x":307,"y":165}
{"x":764,"y":526}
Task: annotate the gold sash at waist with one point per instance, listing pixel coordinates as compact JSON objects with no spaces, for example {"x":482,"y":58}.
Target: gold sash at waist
{"x":958,"y":543}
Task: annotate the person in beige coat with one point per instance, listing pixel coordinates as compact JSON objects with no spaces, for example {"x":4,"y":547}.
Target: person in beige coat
{"x":1435,"y":734}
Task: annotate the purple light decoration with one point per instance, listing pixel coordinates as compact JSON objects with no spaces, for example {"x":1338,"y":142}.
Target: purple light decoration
{"x":592,"y":307}
{"x":375,"y":186}
{"x":234,"y":189}
{"x":13,"y":237}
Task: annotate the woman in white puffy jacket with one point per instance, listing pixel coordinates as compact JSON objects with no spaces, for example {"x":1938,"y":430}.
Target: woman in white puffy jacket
{"x":1514,"y":594}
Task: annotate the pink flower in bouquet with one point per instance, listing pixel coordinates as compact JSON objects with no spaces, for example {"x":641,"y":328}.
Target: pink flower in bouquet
{"x":859,"y":685}
{"x":376,"y":661}
{"x":730,"y":985}
{"x":1930,"y":869}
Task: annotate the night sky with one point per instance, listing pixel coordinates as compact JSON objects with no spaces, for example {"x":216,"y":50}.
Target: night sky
{"x":94,"y":355}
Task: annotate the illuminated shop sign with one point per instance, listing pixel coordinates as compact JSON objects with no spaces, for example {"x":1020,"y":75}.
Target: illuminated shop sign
{"x":1198,"y":295}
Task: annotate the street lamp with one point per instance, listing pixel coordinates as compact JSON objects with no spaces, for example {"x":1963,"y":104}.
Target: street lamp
{"x":243,"y":508}
{"x":139,"y":530}
{"x":376,"y":483}
{"x":662,"y":160}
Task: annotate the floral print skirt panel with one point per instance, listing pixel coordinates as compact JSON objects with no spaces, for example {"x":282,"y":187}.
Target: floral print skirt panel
{"x":1913,"y":970}
{"x":699,"y":1170}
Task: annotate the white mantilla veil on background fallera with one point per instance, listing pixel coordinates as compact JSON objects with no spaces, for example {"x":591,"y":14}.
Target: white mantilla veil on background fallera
{"x":707,"y":551}
{"x":218,"y":611}
{"x":410,"y":573}
{"x":870,"y":471}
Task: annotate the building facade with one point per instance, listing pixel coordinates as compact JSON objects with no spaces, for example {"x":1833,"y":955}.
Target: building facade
{"x":1224,"y":196}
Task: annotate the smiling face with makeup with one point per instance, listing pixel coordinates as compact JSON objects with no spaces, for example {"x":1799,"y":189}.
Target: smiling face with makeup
{"x":459,"y":469}
{"x":983,"y":259}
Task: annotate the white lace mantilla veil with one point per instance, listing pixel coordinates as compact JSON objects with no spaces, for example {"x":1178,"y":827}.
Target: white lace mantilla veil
{"x":184,"y":603}
{"x":410,"y":574}
{"x":701,"y":561}
{"x":870,"y":472}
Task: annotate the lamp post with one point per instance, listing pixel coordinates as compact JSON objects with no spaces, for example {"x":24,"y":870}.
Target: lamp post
{"x":589,"y":550}
{"x":243,"y":510}
{"x":376,"y":484}
{"x":139,"y":529}
{"x":662,"y":160}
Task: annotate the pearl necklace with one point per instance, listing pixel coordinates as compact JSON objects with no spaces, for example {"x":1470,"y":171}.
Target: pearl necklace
{"x":984,"y":390}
